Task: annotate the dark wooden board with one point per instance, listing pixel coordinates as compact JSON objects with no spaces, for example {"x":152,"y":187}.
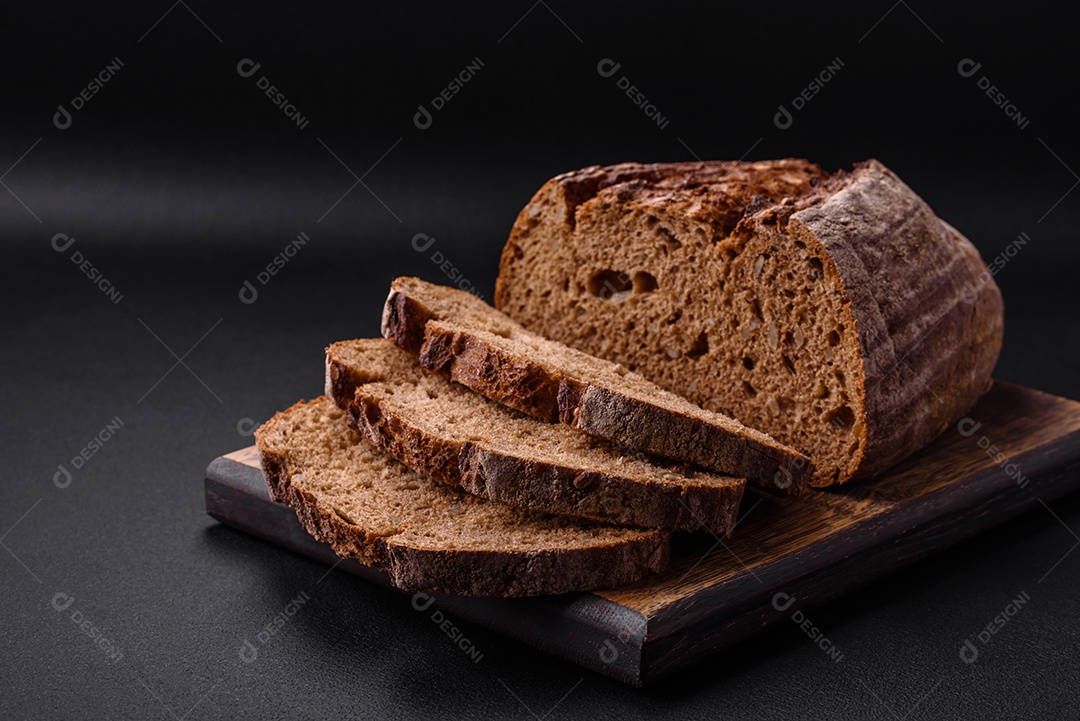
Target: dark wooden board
{"x":811,"y":548}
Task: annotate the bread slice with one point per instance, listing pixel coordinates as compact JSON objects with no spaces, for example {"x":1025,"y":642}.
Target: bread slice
{"x":428,"y":536}
{"x":465,"y":339}
{"x":469,"y":442}
{"x":834,"y":311}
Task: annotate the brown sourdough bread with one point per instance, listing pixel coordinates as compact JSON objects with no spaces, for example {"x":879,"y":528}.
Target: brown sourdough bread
{"x":444,"y":430}
{"x":427,"y":536}
{"x":834,"y":311}
{"x":465,"y":339}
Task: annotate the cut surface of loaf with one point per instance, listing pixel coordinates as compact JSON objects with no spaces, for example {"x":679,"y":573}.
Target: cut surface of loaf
{"x":426,"y":535}
{"x":468,"y":441}
{"x":462,"y":337}
{"x":834,"y":311}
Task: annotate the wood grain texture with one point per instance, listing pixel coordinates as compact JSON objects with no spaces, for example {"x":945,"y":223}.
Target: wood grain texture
{"x":812,"y":548}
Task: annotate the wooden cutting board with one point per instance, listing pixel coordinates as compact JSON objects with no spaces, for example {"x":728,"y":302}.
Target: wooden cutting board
{"x":1019,"y":447}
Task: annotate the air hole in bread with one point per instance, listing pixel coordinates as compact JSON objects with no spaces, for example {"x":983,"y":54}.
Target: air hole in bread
{"x":610,"y":285}
{"x":841,"y":418}
{"x":668,"y":238}
{"x":756,"y":308}
{"x":644,"y":282}
{"x":833,"y":338}
{"x":700,"y":346}
{"x":788,"y":364}
{"x":748,"y":363}
{"x":748,"y":389}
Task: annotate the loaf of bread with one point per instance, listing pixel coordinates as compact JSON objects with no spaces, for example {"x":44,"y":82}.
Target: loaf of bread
{"x":446,"y":431}
{"x":462,"y":337}
{"x":834,"y":311}
{"x":428,"y":536}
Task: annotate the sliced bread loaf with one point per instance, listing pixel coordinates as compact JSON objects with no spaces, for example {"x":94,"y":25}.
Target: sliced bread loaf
{"x":465,"y":339}
{"x":467,"y":441}
{"x":834,"y":311}
{"x":426,"y":535}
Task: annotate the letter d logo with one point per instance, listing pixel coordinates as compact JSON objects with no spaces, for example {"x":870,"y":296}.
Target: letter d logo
{"x":607,"y":67}
{"x":967,"y":427}
{"x":61,"y":242}
{"x":248,"y":294}
{"x":421,"y":242}
{"x":782,"y":477}
{"x":608,"y":654}
{"x":62,"y":118}
{"x":62,"y":601}
{"x":968,"y":653}
{"x":248,"y":652}
{"x":971,"y":291}
{"x":62,"y":477}
{"x":422,"y":119}
{"x":782,"y":601}
{"x":247,"y":67}
{"x":783,"y":118}
{"x":422,"y":601}
{"x":968,"y":67}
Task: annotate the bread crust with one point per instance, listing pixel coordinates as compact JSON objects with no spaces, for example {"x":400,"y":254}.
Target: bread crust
{"x":927,"y":313}
{"x":545,"y":486}
{"x":512,"y":380}
{"x":540,"y":486}
{"x":403,"y":321}
{"x":462,"y":572}
{"x":928,"y":372}
{"x":527,"y":385}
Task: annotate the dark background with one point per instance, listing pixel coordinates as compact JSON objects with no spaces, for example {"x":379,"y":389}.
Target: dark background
{"x":180,"y":179}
